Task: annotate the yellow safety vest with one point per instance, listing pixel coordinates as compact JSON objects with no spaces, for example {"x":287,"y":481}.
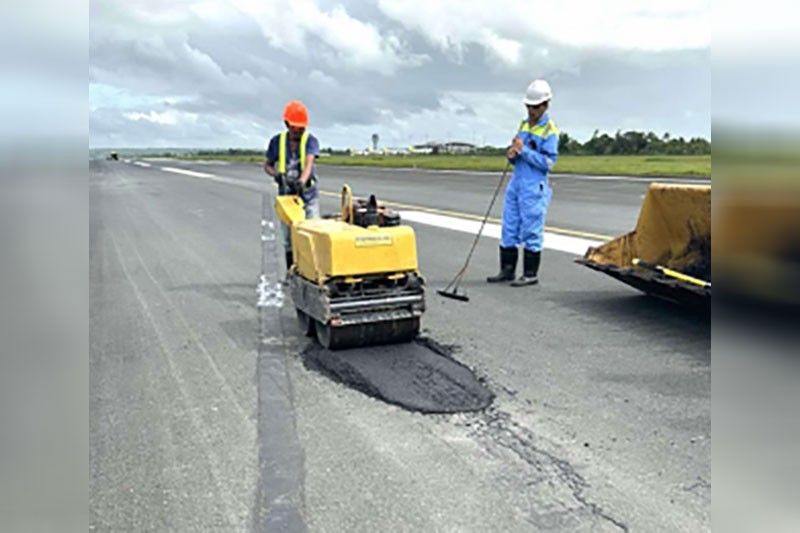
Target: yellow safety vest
{"x":282,"y":151}
{"x":543,"y":131}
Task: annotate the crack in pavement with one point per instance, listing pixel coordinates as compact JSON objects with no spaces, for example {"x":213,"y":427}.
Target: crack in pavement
{"x":496,"y":428}
{"x":702,"y":484}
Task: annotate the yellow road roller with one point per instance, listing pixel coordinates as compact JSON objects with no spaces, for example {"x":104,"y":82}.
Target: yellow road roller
{"x":668,"y":255}
{"x":355,"y":280}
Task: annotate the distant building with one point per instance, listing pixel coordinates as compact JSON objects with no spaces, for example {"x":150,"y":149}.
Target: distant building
{"x":427,"y":148}
{"x":459,"y":148}
{"x":443,"y":148}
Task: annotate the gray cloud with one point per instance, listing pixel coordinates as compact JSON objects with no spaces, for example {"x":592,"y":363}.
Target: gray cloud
{"x":189,"y":78}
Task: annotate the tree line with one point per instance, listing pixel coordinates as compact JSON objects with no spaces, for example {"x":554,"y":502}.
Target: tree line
{"x":633,"y":143}
{"x":621,"y":143}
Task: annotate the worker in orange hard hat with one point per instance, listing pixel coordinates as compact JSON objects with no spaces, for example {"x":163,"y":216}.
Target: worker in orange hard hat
{"x":290,"y":161}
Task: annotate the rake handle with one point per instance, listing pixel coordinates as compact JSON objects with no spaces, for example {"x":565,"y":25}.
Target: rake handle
{"x":457,"y":279}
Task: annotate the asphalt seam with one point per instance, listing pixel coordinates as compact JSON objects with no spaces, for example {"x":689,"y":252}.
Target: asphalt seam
{"x":279,"y":496}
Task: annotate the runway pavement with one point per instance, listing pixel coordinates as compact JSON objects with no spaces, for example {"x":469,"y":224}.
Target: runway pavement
{"x":601,"y":419}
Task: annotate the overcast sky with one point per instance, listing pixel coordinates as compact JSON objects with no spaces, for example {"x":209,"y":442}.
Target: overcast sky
{"x":218,"y":73}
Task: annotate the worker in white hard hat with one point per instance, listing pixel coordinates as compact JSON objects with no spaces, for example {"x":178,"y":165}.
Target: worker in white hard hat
{"x":533,"y":153}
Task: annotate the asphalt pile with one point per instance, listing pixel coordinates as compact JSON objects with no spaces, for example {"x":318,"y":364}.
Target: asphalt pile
{"x":418,"y":376}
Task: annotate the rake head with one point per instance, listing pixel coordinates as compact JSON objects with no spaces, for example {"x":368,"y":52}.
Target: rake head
{"x":453,"y":295}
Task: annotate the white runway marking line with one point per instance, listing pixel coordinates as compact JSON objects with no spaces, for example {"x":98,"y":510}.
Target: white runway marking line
{"x":141,"y":164}
{"x":251,"y":185}
{"x":187,"y":172}
{"x":552,"y":241}
{"x":209,"y":162}
{"x":270,"y":294}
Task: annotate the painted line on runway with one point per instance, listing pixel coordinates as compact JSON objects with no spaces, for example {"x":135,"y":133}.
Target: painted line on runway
{"x":552,"y":241}
{"x":470,"y":216}
{"x":141,"y":164}
{"x":580,"y":177}
{"x":579,"y":236}
{"x":244,"y":184}
{"x":209,"y":162}
{"x":186,"y":172}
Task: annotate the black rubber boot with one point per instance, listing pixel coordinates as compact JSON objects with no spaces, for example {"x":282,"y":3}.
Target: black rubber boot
{"x":530,"y":271}
{"x":508,"y":265}
{"x":289,"y":260}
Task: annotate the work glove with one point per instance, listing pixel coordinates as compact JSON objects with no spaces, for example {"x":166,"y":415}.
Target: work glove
{"x":295,"y":187}
{"x":285,"y":185}
{"x":292,"y":185}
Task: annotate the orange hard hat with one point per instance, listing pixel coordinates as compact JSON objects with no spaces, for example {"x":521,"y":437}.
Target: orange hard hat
{"x":296,"y":114}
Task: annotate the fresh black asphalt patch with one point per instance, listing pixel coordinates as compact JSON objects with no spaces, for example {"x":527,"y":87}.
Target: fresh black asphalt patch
{"x":419,"y":376}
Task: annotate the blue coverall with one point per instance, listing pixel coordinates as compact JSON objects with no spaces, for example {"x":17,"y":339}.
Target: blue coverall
{"x":528,"y":193}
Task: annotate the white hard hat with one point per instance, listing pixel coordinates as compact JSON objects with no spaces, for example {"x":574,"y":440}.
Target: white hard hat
{"x":538,"y":91}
